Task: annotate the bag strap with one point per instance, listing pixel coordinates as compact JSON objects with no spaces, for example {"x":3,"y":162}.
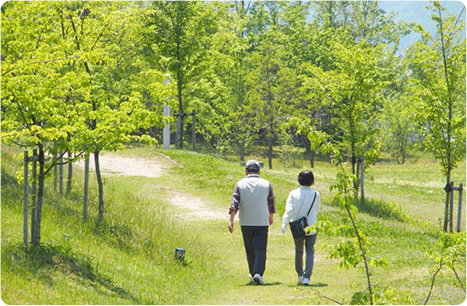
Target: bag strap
{"x":311,"y":204}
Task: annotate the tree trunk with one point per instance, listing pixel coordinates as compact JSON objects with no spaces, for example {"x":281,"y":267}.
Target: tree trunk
{"x":86,"y":187}
{"x":270,"y":142}
{"x":33,"y":195}
{"x":25,"y":198}
{"x":354,"y":158}
{"x":309,"y":152}
{"x":448,"y":132}
{"x":100,"y":185}
{"x":241,"y":150}
{"x":447,"y":188}
{"x":70,"y":174}
{"x":180,"y":111}
{"x":40,"y":197}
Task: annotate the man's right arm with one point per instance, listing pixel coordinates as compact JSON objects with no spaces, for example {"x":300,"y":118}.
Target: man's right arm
{"x":234,"y":206}
{"x":231,"y":224}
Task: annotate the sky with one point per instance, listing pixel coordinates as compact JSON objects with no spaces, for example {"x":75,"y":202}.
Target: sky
{"x":416,"y":11}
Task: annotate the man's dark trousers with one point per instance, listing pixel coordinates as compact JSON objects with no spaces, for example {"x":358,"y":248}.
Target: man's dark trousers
{"x":255,"y":239}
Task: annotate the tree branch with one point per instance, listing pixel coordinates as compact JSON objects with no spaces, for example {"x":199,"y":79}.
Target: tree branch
{"x":21,"y":111}
{"x":41,"y":62}
{"x":460,"y":282}
{"x":325,"y":297}
{"x":433,"y":280}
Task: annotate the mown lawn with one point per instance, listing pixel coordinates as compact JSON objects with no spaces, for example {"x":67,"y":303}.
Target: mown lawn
{"x":129,"y":259}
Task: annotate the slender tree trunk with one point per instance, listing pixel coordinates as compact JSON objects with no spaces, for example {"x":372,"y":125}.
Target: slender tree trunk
{"x":86,"y":187}
{"x":100,"y":185}
{"x":354,"y":157}
{"x":309,"y":152}
{"x":25,"y":198}
{"x":362,"y":250}
{"x":270,"y":142}
{"x":180,"y":109}
{"x":40,"y":198}
{"x":354,"y":168}
{"x":448,"y":132}
{"x":241,"y":150}
{"x":70,"y":174}
{"x":33,"y":195}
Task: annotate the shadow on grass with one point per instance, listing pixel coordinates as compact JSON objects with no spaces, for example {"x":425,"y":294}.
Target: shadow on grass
{"x":266,"y":284}
{"x":317,"y":285}
{"x":45,"y":260}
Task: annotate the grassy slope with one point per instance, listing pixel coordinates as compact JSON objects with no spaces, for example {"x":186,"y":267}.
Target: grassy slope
{"x":129,"y":259}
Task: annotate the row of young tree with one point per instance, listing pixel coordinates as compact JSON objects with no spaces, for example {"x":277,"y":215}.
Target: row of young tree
{"x":83,"y":77}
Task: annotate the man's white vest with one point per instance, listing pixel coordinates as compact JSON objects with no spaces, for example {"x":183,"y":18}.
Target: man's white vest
{"x":253,"y":207}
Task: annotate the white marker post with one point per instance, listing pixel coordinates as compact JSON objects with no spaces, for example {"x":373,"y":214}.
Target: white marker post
{"x":166,"y":135}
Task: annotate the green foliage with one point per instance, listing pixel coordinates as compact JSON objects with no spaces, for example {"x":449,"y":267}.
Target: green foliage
{"x":73,"y":88}
{"x":176,"y":35}
{"x":383,"y":296}
{"x":66,"y":85}
{"x":437,"y":69}
{"x":450,"y":249}
{"x":398,"y":129}
{"x":89,"y":76}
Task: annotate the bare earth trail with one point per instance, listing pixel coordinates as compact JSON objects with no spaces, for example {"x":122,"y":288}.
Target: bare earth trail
{"x":194,"y":207}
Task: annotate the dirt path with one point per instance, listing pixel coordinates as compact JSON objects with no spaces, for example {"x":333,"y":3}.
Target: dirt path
{"x":194,"y":207}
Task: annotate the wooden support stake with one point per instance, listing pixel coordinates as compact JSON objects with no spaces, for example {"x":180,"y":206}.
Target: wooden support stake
{"x":194,"y":130}
{"x":25,"y":199}
{"x":362,"y":181}
{"x":451,"y":207}
{"x":33,"y":191}
{"x":446,"y":209}
{"x":166,"y":133}
{"x":86,"y":187}
{"x":55,"y":169}
{"x":60,"y":167}
{"x":459,"y":209}
{"x":55,"y":173}
{"x":70,"y":174}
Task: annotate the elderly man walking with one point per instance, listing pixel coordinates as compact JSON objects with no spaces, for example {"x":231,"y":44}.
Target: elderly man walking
{"x":253,"y":199}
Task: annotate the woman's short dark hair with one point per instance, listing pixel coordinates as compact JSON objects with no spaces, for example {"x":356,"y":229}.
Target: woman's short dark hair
{"x":306,"y":178}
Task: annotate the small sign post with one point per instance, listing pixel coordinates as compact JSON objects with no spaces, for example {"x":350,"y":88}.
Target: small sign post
{"x":166,"y":134}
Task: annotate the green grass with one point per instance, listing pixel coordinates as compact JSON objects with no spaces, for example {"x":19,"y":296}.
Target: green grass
{"x":129,"y":258}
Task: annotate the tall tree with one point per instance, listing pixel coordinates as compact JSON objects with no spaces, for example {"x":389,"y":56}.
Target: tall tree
{"x":266,"y":80}
{"x":309,"y":44}
{"x":355,"y":90}
{"x":437,"y":66}
{"x":398,"y":127}
{"x":179,"y":32}
{"x":364,"y":20}
{"x":110,"y":101}
{"x":35,"y":86}
{"x":221,"y":94}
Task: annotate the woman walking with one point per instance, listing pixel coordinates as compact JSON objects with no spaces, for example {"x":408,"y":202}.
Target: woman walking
{"x":298,"y":205}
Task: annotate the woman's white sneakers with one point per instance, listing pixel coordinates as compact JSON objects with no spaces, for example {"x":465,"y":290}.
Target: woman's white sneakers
{"x":303,"y":280}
